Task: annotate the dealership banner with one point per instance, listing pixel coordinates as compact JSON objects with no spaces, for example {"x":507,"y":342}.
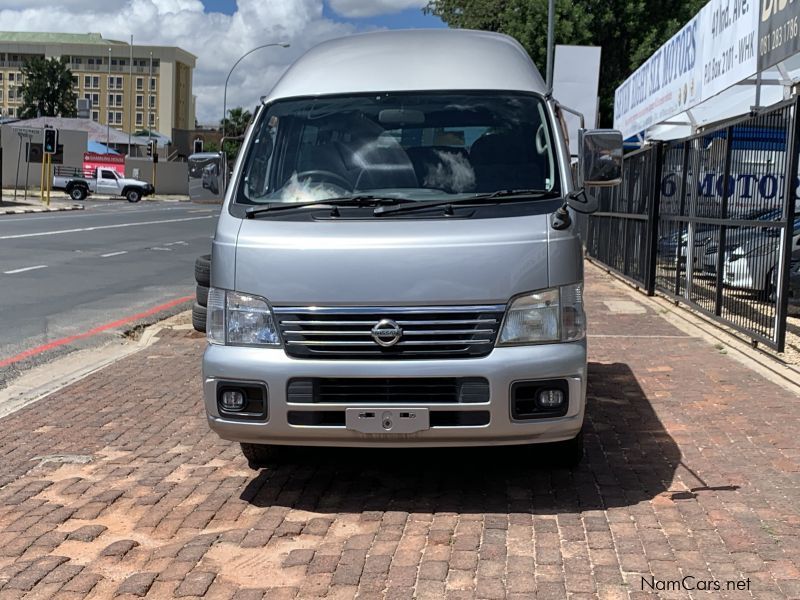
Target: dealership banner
{"x":729,"y":29}
{"x":668,"y":83}
{"x":778,"y":35}
{"x":712,"y":52}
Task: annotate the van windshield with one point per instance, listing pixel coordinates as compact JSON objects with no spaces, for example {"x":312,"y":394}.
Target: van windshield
{"x":418,"y":146}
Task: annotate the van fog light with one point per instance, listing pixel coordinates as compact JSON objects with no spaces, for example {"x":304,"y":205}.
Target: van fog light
{"x":550,"y":399}
{"x":232,"y":400}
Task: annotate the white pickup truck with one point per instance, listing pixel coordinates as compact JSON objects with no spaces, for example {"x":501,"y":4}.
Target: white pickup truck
{"x":103,"y":181}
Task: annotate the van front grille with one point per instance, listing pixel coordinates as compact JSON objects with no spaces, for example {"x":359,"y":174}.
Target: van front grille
{"x":427,"y":332}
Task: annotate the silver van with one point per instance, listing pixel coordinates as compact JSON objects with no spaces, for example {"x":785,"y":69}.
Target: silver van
{"x":397,"y":263}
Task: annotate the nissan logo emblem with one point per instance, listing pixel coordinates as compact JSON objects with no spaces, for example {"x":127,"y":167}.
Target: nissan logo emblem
{"x":386,"y":333}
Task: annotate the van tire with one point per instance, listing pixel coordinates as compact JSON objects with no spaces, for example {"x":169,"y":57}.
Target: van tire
{"x":201,"y":293}
{"x":260,"y":455}
{"x":77,"y":193}
{"x":567,"y":454}
{"x":133,"y":195}
{"x":202,"y":270}
{"x":199,"y":317}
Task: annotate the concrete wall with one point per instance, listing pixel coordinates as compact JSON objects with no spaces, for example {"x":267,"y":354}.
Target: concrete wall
{"x":73,"y":143}
{"x":171,"y":177}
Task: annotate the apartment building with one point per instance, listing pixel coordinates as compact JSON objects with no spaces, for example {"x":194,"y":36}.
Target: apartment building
{"x":153,"y":90}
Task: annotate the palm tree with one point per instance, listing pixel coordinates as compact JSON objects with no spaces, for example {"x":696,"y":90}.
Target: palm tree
{"x":236,"y":122}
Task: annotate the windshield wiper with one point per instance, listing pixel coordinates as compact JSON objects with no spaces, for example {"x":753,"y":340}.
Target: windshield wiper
{"x":360,"y":200}
{"x":492,"y":198}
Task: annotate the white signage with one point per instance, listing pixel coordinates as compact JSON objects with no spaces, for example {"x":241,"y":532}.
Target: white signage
{"x":576,"y":75}
{"x":729,"y":33}
{"x":667,"y":83}
{"x":712,"y":52}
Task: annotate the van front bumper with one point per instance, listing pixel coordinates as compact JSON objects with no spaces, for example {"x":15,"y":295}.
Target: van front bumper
{"x":273,"y":369}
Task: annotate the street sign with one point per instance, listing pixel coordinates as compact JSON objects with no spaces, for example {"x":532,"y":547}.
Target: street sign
{"x":28,"y":132}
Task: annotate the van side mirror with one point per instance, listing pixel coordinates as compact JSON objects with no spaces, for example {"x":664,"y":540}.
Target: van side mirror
{"x":600,"y":159}
{"x":207,"y":177}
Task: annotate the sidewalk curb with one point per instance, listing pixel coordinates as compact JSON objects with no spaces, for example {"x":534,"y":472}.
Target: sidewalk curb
{"x":696,"y":326}
{"x":25,"y":211}
{"x":46,"y":379}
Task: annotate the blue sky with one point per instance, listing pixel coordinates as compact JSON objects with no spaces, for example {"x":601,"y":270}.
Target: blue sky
{"x":403,"y":19}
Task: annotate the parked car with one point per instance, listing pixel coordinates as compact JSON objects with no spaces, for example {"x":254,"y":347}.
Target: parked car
{"x":397,"y":262}
{"x":102,"y":181}
{"x":751,"y":264}
{"x":794,"y":280}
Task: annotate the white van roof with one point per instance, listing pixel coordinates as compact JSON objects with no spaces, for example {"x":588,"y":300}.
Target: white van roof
{"x":409,"y":60}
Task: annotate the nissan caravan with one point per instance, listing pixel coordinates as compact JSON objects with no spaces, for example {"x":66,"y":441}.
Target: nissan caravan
{"x":397,"y":262}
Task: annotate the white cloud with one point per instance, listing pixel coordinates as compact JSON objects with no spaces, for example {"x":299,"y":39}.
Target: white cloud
{"x":353,"y":9}
{"x":218,"y":40}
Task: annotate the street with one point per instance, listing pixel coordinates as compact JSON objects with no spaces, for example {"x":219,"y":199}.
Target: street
{"x":68,"y":279}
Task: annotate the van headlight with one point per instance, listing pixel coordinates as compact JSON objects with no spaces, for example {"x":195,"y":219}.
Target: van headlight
{"x":237,"y":319}
{"x":552,"y":315}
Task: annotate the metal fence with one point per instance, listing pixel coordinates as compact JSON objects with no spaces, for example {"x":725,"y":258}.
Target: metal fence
{"x":710,"y":221}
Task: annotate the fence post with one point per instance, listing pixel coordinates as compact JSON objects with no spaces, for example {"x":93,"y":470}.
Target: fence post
{"x":652,"y":220}
{"x":726,"y":192}
{"x":784,"y":259}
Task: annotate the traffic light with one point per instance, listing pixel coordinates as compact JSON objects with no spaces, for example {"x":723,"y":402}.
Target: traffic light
{"x":50,"y":141}
{"x":151,"y":146}
{"x":198,"y":146}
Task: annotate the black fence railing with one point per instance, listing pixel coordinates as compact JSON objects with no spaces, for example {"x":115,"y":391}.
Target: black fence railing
{"x":710,"y":221}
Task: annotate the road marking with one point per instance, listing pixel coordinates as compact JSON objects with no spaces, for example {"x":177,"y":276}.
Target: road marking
{"x":162,"y":249}
{"x":180,"y":243}
{"x":113,"y":254}
{"x":22,"y":270}
{"x":99,"y":227}
{"x":93,"y":331}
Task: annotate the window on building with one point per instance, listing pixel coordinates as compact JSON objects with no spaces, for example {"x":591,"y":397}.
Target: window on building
{"x":111,"y":99}
{"x":152,"y":101}
{"x":1,"y":94}
{"x":1,"y":76}
{"x":118,"y":99}
{"x":139,"y":101}
{"x":95,"y":115}
{"x":111,"y":81}
{"x":12,"y":94}
{"x":139,"y":119}
{"x":12,"y":111}
{"x":77,"y":60}
{"x":95,"y":99}
{"x":119,"y":83}
{"x":109,"y":117}
{"x":11,"y":76}
{"x":96,"y":82}
{"x":87,"y":81}
{"x":139,"y":83}
{"x":152,"y":83}
{"x":75,"y":80}
{"x":152,"y":120}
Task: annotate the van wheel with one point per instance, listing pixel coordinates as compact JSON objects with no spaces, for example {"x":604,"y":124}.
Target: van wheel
{"x":568,"y":454}
{"x":77,"y":193}
{"x":202,"y":270}
{"x":133,"y":195}
{"x":260,"y":455}
{"x":201,"y":294}
{"x":199,"y":317}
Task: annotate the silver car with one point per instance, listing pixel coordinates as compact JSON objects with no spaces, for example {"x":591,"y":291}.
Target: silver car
{"x":396,"y":262}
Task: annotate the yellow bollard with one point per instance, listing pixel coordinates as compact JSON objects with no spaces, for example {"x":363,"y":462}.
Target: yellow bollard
{"x":41,"y":179}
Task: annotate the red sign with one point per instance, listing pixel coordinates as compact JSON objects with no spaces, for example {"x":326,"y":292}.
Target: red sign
{"x":92,"y":160}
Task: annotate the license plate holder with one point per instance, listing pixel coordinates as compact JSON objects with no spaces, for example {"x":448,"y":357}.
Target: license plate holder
{"x":387,"y":420}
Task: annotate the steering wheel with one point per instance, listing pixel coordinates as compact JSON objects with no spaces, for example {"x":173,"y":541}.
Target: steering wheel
{"x":327,"y":176}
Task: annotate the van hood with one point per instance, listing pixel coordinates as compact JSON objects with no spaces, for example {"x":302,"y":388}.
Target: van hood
{"x":402,"y":261}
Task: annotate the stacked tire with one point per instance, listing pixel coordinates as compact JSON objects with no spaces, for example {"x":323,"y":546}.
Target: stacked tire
{"x":202,"y":275}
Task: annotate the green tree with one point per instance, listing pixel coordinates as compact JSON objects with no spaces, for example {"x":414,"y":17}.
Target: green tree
{"x":47,"y":89}
{"x":628,"y":31}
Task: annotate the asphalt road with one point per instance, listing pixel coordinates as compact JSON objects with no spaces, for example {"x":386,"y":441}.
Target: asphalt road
{"x":63,"y":275}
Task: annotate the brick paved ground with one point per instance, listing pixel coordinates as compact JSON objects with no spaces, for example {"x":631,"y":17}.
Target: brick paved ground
{"x":692,"y":469}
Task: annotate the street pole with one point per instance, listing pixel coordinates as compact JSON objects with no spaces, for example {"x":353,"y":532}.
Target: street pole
{"x":130,"y":97}
{"x":27,"y":165}
{"x":551,"y":26}
{"x":19,"y":154}
{"x":108,"y":112}
{"x":225,"y":93}
{"x":149,"y":89}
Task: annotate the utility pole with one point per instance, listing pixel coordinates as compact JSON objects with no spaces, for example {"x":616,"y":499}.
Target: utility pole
{"x":108,"y":100}
{"x":149,"y":88}
{"x":130,"y":97}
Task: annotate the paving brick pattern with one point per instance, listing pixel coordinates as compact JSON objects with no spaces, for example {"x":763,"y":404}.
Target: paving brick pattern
{"x":692,"y":469}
